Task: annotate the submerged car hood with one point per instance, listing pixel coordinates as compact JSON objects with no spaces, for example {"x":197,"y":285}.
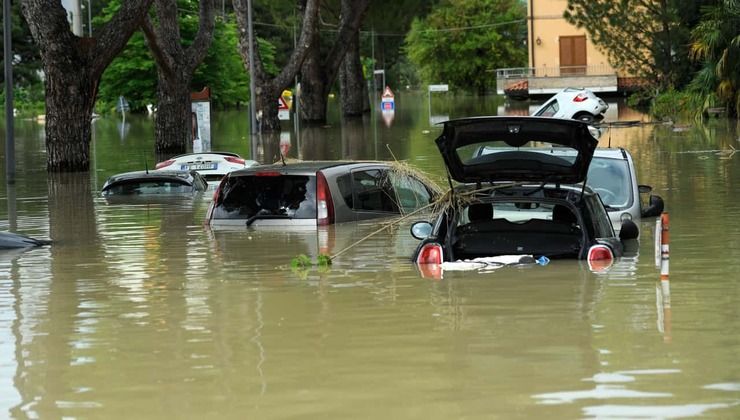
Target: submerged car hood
{"x":517,"y":160}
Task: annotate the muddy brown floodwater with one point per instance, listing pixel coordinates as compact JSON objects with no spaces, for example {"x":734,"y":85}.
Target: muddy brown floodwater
{"x":138,"y":311}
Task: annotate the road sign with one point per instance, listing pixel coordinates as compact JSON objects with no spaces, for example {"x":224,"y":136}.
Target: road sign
{"x":283,"y":110}
{"x":439,"y":88}
{"x":387,"y":100}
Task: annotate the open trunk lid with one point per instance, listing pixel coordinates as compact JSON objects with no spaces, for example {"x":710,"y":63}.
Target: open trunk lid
{"x":518,"y":144}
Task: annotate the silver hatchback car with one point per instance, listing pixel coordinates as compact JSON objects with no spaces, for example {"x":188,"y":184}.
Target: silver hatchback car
{"x":315,"y":193}
{"x":613,"y":176}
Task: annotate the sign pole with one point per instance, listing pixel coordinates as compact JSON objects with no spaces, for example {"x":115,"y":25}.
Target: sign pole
{"x":9,"y":129}
{"x":252,"y":100}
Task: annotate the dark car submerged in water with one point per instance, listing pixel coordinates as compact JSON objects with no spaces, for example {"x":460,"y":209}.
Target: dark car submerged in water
{"x":314,"y":193}
{"x":520,"y":200}
{"x":153,"y":186}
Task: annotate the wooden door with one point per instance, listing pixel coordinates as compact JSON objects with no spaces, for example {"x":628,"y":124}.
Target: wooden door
{"x":573,"y":55}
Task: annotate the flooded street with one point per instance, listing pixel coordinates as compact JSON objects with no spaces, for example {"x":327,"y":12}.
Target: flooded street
{"x":138,"y":311}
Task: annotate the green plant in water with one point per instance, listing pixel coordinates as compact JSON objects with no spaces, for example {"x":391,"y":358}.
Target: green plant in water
{"x":302,"y":263}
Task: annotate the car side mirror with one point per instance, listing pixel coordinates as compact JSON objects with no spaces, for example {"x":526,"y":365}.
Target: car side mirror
{"x":421,"y":230}
{"x":654,"y":208}
{"x":629,"y":230}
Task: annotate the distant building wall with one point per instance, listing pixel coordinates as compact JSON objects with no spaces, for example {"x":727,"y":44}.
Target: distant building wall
{"x":546,"y":26}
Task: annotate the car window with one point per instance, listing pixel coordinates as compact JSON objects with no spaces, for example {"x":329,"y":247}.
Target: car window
{"x":285,"y":196}
{"x":611,"y":179}
{"x":549,"y":110}
{"x":411,"y":194}
{"x":602,"y":226}
{"x":373,"y":191}
{"x":344,"y":182}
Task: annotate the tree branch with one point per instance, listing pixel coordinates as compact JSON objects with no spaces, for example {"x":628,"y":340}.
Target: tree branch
{"x":199,"y":48}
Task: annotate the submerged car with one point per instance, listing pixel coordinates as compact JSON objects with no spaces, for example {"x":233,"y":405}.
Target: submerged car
{"x":9,"y":240}
{"x":154,"y":184}
{"x":212,"y":165}
{"x":612,"y":175}
{"x":521,"y":200}
{"x":573,"y":103}
{"x":313,"y":193}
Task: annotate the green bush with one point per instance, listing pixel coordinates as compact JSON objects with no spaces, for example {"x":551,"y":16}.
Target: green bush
{"x":676,"y":106}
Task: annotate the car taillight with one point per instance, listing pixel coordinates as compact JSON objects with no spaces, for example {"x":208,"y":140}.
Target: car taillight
{"x":164,"y":164}
{"x":600,"y":257}
{"x":234,"y":159}
{"x":324,"y":205}
{"x":267,"y":173}
{"x":430,"y":253}
{"x":580,"y":97}
{"x":600,"y":252}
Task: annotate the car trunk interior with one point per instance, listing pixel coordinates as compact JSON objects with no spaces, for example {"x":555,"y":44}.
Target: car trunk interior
{"x":501,"y":237}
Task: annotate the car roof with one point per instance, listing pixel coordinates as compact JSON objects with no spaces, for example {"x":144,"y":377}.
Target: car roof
{"x":186,"y":155}
{"x":302,"y":167}
{"x":184,"y":177}
{"x":517,"y":164}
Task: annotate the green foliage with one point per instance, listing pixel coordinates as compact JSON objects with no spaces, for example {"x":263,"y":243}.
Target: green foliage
{"x":716,"y":44}
{"x":647,"y":38}
{"x":301,"y":264}
{"x":462,"y":42}
{"x":301,"y":261}
{"x":222,"y":69}
{"x":676,"y":106}
{"x":133,"y":73}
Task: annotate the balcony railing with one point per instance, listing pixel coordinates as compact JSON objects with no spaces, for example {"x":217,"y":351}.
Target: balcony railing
{"x":525,"y":80}
{"x":560,"y":71}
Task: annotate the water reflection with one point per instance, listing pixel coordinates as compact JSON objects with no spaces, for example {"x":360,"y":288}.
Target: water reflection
{"x":138,"y":309}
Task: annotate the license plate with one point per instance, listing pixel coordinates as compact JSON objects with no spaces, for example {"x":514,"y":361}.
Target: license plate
{"x":199,"y":166}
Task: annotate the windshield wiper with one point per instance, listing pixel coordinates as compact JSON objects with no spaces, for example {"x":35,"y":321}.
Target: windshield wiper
{"x":265,"y":214}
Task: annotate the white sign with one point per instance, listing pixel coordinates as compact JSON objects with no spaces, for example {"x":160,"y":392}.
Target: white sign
{"x":201,"y":112}
{"x":439,"y":88}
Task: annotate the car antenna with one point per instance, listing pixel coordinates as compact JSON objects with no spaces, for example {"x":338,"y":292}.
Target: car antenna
{"x":146,"y":166}
{"x":282,"y":158}
{"x":583,"y":188}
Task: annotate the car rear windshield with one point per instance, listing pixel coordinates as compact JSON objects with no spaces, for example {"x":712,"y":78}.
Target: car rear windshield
{"x":279,"y":196}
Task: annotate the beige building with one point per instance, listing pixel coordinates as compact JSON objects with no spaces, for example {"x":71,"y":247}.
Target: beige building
{"x":560,"y":55}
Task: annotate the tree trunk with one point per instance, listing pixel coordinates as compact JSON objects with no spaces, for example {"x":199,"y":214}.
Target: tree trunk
{"x":175,"y":68}
{"x":352,"y":86}
{"x":314,"y":87}
{"x":73,"y":67}
{"x":70,"y":98}
{"x":267,"y":108}
{"x":267,"y":89}
{"x":173,"y":121}
{"x":317,"y":75}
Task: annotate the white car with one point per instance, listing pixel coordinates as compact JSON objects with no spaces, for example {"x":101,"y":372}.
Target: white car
{"x":211,"y":165}
{"x":572,"y":103}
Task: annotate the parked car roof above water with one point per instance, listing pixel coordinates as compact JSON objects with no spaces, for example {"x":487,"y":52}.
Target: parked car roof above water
{"x":212,"y":165}
{"x":573,"y":103}
{"x":154,"y":183}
